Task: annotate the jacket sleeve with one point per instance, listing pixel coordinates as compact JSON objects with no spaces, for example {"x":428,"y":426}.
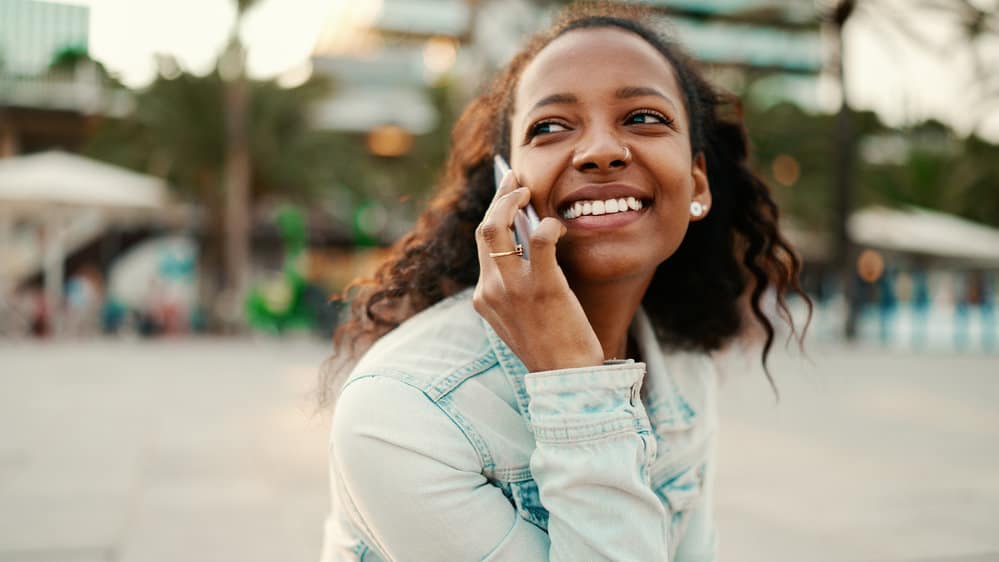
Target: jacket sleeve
{"x":594,"y":451}
{"x":414,"y":485}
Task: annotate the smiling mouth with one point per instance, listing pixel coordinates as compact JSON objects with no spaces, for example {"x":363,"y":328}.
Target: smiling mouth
{"x":585,"y":208}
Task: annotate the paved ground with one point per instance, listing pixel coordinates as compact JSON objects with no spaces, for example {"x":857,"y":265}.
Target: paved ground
{"x":181,"y":450}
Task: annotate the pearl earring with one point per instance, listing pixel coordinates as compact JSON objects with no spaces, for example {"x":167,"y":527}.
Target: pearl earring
{"x":696,"y":209}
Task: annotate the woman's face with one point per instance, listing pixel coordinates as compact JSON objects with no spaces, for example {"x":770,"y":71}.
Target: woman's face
{"x":599,"y":117}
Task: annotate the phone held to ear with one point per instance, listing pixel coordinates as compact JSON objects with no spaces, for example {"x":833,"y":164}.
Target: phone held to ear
{"x":526,"y":219}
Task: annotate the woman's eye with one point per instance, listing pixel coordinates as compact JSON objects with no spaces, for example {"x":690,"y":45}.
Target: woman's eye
{"x":647,"y":117}
{"x":546,"y":127}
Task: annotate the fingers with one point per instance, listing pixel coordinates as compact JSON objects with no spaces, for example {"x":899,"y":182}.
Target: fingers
{"x":543,"y":243}
{"x":507,"y":184}
{"x":494,"y":232}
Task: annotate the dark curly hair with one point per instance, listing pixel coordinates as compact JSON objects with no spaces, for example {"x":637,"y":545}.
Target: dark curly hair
{"x":698,"y":298}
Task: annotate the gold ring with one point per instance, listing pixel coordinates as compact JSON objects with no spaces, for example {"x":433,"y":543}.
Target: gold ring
{"x":517,"y":250}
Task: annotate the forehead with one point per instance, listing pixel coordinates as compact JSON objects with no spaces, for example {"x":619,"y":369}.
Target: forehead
{"x":595,"y":59}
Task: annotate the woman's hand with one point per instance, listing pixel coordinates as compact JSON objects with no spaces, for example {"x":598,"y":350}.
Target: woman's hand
{"x":529,"y":302}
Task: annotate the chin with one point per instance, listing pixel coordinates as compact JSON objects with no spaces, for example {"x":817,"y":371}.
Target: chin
{"x":604,"y":265}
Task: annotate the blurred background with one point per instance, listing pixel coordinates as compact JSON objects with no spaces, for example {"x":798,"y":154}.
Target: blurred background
{"x":185,"y":184}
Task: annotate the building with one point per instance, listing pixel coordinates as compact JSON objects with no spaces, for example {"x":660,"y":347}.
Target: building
{"x":51,"y":92}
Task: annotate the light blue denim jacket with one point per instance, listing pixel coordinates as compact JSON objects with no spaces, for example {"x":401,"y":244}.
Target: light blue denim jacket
{"x":444,"y":447}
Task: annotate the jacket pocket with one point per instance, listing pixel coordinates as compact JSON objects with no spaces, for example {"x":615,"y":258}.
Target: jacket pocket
{"x":680,"y":489}
{"x":524,"y":496}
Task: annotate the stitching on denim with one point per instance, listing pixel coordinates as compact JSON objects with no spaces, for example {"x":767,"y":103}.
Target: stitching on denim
{"x":605,"y":371}
{"x":512,"y":474}
{"x":402,"y":376}
{"x":513,"y":368}
{"x":446,"y":383}
{"x":591,"y":432}
{"x":446,"y":405}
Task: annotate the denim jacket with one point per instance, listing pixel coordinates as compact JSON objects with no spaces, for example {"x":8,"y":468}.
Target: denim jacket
{"x":444,"y":447}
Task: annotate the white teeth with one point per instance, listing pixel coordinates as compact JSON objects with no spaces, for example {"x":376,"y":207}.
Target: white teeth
{"x":583,"y":208}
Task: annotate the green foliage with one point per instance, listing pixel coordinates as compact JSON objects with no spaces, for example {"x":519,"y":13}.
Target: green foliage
{"x":68,"y":57}
{"x":933,"y":168}
{"x":178,"y":131}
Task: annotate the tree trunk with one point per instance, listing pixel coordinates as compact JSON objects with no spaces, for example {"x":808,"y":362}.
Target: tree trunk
{"x":844,"y":159}
{"x":237,"y":198}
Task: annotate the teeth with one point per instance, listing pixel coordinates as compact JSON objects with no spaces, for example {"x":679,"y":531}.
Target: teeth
{"x":582,"y":208}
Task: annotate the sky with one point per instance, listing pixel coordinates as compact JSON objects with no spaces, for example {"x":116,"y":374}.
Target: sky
{"x":903,"y":83}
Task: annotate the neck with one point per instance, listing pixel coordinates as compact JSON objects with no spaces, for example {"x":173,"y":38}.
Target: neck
{"x":610,"y":307}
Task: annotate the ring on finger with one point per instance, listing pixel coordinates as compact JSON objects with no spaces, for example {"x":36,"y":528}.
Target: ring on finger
{"x":517,"y":250}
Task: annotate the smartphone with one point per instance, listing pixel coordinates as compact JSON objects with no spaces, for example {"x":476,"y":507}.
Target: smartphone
{"x":526,"y":219}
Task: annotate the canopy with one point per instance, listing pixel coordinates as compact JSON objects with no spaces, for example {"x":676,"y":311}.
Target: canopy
{"x":37,"y":182}
{"x":920,"y":231}
{"x":64,"y":192}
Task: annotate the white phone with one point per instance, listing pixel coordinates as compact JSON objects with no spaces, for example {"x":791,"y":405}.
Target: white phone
{"x":526,"y":219}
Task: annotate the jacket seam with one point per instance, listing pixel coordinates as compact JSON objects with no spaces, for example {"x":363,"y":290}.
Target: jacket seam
{"x":475,"y":440}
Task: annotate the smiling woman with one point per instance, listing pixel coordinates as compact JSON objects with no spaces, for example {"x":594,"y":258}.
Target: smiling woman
{"x":558,"y":403}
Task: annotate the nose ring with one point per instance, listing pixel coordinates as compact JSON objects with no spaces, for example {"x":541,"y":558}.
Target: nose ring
{"x":627,"y":154}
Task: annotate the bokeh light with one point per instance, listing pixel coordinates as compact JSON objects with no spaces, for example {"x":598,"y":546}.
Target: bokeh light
{"x":389,"y":141}
{"x":786,"y":170}
{"x":870,"y":265}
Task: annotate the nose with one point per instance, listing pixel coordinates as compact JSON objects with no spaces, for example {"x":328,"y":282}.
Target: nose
{"x":604,"y":152}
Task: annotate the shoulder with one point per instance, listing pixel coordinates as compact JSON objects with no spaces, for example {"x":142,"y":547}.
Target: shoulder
{"x":433,"y":351}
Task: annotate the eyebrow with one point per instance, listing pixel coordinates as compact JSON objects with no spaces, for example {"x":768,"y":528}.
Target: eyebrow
{"x":622,"y":93}
{"x":637,"y":92}
{"x":555,"y":98}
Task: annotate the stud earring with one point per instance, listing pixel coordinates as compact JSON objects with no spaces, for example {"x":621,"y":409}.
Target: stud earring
{"x":696,"y":208}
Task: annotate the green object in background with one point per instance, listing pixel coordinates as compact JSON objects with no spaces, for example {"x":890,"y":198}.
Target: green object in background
{"x":277,"y":305}
{"x":369,"y":222}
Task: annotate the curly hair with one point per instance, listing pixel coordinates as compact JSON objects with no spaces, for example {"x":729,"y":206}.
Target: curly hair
{"x":697,"y":297}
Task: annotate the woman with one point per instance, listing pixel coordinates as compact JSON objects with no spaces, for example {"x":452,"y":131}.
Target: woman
{"x":561,"y":406}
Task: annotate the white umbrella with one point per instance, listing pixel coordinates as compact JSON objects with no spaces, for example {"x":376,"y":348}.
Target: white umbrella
{"x":927,"y":232}
{"x":52,"y":186}
{"x":39,"y":181}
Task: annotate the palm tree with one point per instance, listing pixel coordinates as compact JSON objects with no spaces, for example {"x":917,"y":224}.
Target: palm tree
{"x":179,"y":131}
{"x":237,"y":169}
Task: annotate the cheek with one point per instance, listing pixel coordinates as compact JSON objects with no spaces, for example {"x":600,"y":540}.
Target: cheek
{"x":537,"y":174}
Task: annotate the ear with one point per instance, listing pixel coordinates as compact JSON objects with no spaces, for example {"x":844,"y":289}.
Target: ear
{"x":702,"y":189}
